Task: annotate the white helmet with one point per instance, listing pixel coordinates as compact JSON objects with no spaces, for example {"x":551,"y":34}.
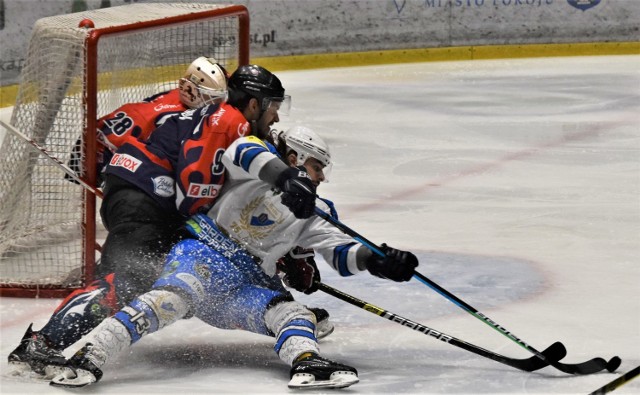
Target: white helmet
{"x":205,"y":82}
{"x":307,"y":144}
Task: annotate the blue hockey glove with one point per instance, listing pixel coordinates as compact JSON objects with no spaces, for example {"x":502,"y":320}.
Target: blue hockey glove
{"x":396,"y":265}
{"x":298,"y":192}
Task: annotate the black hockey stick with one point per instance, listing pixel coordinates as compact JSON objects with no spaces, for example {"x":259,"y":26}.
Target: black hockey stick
{"x":555,"y":352}
{"x":591,"y":366}
{"x":619,"y":382}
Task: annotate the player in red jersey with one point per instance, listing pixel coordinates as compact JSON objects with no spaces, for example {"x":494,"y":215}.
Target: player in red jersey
{"x":142,"y":223}
{"x":150,"y":187}
{"x":204,"y":82}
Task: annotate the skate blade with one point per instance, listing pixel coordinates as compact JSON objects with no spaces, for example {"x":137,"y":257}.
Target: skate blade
{"x":51,"y":371}
{"x":73,"y":379}
{"x":25,"y":370}
{"x":340,"y":379}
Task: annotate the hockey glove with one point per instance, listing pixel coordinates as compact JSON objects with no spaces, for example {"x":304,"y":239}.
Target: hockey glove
{"x":298,"y":192}
{"x":396,"y":265}
{"x":301,"y":272}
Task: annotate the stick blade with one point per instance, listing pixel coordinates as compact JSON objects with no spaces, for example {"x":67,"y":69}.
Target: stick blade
{"x":553,"y":353}
{"x":594,"y":365}
{"x":613,"y":364}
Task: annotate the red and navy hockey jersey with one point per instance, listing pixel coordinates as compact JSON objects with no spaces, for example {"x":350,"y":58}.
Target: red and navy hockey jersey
{"x":135,"y":121}
{"x":180,"y":164}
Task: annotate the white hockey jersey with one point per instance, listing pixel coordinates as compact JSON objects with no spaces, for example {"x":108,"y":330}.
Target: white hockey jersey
{"x":250,"y":212}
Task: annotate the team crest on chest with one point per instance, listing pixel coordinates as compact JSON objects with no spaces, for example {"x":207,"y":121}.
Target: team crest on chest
{"x":257,"y":220}
{"x":261,"y":220}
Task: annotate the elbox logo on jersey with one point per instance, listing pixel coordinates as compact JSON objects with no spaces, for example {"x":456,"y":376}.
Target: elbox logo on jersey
{"x":203,"y":190}
{"x":584,"y":4}
{"x":123,"y":160}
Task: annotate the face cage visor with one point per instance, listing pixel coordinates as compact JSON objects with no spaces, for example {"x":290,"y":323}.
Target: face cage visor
{"x":212,"y":96}
{"x":277,"y":104}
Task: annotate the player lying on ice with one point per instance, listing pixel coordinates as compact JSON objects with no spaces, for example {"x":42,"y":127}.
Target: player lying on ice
{"x":226,"y":275}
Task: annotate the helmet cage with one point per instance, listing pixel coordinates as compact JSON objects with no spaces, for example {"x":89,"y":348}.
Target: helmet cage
{"x":204,"y":82}
{"x":212,"y":95}
{"x":195,"y":96}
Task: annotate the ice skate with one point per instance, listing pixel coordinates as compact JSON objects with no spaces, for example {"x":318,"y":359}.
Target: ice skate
{"x":324,"y":327}
{"x":34,"y":354}
{"x":79,"y":371}
{"x":312,"y":371}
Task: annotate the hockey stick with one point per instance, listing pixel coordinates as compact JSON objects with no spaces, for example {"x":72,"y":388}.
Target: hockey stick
{"x":555,"y":352}
{"x":57,"y":161}
{"x":591,"y":366}
{"x":619,"y":382}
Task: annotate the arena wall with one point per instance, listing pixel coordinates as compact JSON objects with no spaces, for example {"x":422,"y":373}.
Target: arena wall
{"x":320,"y":33}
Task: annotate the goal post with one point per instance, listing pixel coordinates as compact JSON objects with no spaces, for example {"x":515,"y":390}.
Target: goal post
{"x":79,"y":67}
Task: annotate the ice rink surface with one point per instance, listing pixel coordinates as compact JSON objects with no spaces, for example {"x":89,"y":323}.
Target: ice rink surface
{"x":517,"y":184}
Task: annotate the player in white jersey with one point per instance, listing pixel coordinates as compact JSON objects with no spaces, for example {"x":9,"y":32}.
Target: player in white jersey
{"x":226,"y":276}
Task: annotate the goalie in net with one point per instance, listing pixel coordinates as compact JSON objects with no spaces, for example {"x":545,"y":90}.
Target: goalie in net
{"x":205,"y":82}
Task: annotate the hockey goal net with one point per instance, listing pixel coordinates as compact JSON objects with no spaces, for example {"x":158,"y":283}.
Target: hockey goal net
{"x":49,"y":230}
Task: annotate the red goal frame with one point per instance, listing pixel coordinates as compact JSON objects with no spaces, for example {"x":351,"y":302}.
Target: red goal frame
{"x":90,"y":94}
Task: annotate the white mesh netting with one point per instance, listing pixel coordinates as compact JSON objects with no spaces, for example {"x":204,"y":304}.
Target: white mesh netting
{"x":42,"y":213}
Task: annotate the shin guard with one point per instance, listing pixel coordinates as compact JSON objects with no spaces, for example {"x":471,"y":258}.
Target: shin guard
{"x":146,"y":314}
{"x":294,"y":326}
{"x":151,"y":312}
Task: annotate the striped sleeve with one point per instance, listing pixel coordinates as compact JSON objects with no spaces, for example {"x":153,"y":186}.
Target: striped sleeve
{"x":344,"y":259}
{"x":247,"y":153}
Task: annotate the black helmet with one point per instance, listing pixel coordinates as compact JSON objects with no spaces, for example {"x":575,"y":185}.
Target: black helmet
{"x":257,"y":82}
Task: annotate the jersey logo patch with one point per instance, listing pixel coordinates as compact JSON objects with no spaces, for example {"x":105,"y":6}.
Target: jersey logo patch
{"x":243,"y":129}
{"x":261,"y":220}
{"x":257,"y":227}
{"x":126,"y":161}
{"x":203,"y":190}
{"x":163,"y":186}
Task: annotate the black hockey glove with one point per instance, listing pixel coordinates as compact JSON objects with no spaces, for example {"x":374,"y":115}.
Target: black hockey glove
{"x":298,"y":192}
{"x":396,"y":265}
{"x":301,"y":272}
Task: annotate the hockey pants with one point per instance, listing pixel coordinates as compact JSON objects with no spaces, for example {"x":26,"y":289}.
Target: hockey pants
{"x":200,"y":281}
